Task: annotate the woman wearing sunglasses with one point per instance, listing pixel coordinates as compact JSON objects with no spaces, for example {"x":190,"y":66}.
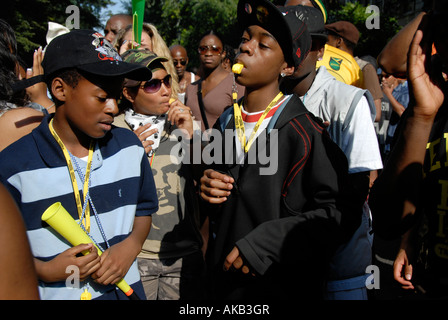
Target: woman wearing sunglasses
{"x":174,"y":243}
{"x":151,"y":40}
{"x":209,"y":96}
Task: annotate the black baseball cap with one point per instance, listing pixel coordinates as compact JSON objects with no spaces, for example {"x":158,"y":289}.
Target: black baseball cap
{"x":89,"y":51}
{"x":319,"y":4}
{"x":290,"y":32}
{"x":86,"y":50}
{"x":312,"y":17}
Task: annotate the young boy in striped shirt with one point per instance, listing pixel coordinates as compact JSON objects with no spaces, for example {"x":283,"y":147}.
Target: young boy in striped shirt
{"x":98,"y":173}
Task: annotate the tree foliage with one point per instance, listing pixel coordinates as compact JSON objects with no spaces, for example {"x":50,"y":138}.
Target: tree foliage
{"x":185,"y":21}
{"x":371,"y":41}
{"x":29,"y":19}
{"x":178,"y":21}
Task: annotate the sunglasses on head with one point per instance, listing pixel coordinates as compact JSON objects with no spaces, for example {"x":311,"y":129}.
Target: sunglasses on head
{"x":182,"y":62}
{"x":213,"y":49}
{"x":154,"y":85}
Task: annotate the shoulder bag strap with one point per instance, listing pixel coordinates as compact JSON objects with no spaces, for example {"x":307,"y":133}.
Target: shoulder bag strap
{"x":201,"y":105}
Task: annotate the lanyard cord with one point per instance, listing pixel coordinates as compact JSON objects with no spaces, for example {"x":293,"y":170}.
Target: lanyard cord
{"x":86,"y":221}
{"x":239,"y":124}
{"x":89,"y":200}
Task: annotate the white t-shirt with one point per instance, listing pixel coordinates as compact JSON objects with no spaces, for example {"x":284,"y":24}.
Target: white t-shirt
{"x":359,"y":141}
{"x":330,"y":100}
{"x":250,"y":120}
{"x":181,"y":95}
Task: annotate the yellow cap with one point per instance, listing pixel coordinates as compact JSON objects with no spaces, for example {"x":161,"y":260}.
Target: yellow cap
{"x":237,"y":68}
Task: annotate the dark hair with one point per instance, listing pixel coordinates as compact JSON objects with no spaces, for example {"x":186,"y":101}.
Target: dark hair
{"x":8,"y":37}
{"x":124,"y":103}
{"x":317,"y":43}
{"x":70,"y":76}
{"x":9,"y":66}
{"x":212,"y":33}
{"x":350,"y":45}
{"x":230,"y":53}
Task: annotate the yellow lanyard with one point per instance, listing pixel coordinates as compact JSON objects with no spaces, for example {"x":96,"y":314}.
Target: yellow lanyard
{"x":86,"y":220}
{"x":239,"y":124}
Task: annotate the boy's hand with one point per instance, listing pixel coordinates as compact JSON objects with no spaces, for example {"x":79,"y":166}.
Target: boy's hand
{"x":55,"y":269}
{"x":403,"y":270}
{"x":115,"y":263}
{"x":236,"y":262}
{"x":215,"y":186}
{"x":426,"y":83}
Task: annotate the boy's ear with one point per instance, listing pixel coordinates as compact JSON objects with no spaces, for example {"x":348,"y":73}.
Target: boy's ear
{"x":339,"y":42}
{"x":58,"y":88}
{"x":288,"y":70}
{"x":320,"y":52}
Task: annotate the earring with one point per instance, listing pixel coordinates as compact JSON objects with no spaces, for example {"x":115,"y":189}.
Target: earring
{"x":282,"y":75}
{"x":319,"y":59}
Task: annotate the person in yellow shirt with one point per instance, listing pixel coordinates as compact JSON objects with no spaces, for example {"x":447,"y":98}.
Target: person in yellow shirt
{"x":338,"y":57}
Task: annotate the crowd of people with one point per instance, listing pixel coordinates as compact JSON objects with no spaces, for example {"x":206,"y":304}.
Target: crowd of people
{"x":111,"y":129}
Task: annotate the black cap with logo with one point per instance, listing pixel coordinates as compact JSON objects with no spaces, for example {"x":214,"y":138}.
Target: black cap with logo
{"x":89,"y":51}
{"x":291,"y":33}
{"x":86,"y":50}
{"x":312,"y":17}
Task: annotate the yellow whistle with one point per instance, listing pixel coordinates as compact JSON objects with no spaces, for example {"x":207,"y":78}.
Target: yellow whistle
{"x":237,"y":68}
{"x":86,"y":295}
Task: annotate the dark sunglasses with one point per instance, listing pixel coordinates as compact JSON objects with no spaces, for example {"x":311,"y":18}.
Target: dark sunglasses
{"x":154,"y":85}
{"x":182,"y":62}
{"x":213,"y":49}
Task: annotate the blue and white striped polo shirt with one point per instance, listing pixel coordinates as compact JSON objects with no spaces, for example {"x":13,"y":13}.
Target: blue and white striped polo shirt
{"x":122,"y":186}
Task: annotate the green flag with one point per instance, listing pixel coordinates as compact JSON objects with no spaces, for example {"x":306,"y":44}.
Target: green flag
{"x":138,"y":10}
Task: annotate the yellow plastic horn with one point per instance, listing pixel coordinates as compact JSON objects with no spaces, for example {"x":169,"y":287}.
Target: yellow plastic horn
{"x":61,"y":221}
{"x":237,"y":68}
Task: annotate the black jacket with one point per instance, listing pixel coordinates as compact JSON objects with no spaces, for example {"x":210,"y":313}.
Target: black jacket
{"x":288,"y":224}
